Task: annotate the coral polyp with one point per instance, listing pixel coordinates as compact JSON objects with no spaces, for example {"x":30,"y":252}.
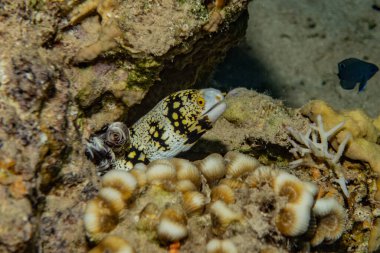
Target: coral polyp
{"x":172,"y":224}
{"x":223,"y":192}
{"x":331,"y":218}
{"x":193,"y":201}
{"x":113,"y":244}
{"x":221,"y":246}
{"x":294,"y":218}
{"x":202,"y":202}
{"x":212,"y":167}
{"x":122,"y":181}
{"x":240,"y":164}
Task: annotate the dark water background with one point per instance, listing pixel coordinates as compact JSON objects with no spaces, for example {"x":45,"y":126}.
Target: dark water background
{"x":292,"y":48}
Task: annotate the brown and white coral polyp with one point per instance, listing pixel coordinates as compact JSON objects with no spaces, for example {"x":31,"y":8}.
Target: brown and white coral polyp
{"x":139,"y":172}
{"x":113,"y":244}
{"x":294,"y":189}
{"x":186,"y":170}
{"x":212,"y":167}
{"x":185,"y":186}
{"x":331,"y":220}
{"x":222,"y":216}
{"x":193,"y":202}
{"x":239,"y":164}
{"x":99,"y":218}
{"x":102,"y":212}
{"x":221,"y":246}
{"x":122,"y":181}
{"x":294,"y":218}
{"x":160,"y":171}
{"x":223,"y":192}
{"x":172,"y":224}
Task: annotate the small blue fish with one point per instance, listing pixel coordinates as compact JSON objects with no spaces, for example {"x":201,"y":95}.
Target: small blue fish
{"x":353,"y":71}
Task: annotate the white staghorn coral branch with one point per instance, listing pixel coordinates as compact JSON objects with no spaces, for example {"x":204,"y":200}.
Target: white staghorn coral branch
{"x":316,"y":142}
{"x":298,"y":149}
{"x":296,"y":163}
{"x":341,"y":148}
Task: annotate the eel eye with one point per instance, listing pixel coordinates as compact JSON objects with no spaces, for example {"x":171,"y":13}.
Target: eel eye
{"x":201,"y":101}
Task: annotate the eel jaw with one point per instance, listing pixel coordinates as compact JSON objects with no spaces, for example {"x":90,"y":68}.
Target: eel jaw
{"x":215,"y":105}
{"x":216,"y":111}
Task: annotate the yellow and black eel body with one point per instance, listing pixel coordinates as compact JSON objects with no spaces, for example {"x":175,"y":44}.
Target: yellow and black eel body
{"x":174,"y":125}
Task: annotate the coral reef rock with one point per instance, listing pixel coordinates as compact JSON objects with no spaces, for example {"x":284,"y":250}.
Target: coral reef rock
{"x":253,"y":123}
{"x":66,"y":69}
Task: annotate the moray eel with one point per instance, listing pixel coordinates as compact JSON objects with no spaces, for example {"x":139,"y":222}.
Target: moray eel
{"x":174,"y":125}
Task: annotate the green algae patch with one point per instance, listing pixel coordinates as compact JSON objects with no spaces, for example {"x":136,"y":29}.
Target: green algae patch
{"x":144,"y":73}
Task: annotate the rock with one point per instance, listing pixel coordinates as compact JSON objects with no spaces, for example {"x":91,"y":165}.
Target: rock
{"x":17,"y":222}
{"x":253,"y":123}
{"x":60,"y":81}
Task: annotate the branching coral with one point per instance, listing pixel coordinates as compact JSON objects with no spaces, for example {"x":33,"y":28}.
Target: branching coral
{"x":232,"y":198}
{"x":364,"y":145}
{"x":315,"y":142}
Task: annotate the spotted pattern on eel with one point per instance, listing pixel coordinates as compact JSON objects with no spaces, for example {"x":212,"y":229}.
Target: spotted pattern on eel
{"x":174,"y":125}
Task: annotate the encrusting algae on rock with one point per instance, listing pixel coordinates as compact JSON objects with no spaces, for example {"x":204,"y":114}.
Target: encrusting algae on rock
{"x":119,"y":30}
{"x":212,"y":214}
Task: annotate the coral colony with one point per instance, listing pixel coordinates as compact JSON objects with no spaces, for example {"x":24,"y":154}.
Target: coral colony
{"x":315,"y":142}
{"x":168,"y":199}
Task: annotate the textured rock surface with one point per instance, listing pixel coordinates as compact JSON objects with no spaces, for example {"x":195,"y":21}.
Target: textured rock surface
{"x":253,"y":123}
{"x":52,"y":97}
